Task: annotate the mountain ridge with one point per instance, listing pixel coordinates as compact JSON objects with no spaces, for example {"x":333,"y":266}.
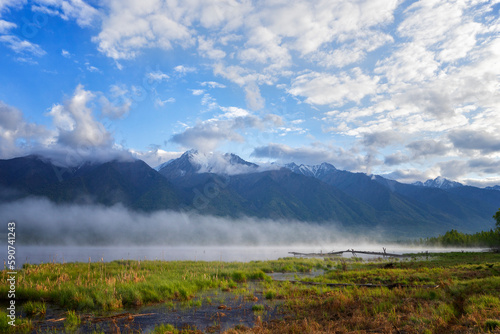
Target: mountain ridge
{"x":226,"y":185}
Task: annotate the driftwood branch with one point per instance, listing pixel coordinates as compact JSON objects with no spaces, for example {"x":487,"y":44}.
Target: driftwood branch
{"x":354,"y":252}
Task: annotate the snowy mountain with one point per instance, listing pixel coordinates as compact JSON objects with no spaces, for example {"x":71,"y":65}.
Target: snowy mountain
{"x":193,"y":161}
{"x":439,"y":182}
{"x":312,"y":193}
{"x":493,"y":188}
{"x":317,"y":171}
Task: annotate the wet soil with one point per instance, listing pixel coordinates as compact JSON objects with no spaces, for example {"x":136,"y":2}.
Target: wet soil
{"x":210,"y":312}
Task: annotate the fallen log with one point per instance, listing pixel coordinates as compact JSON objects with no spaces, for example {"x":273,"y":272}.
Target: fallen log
{"x":354,"y":252}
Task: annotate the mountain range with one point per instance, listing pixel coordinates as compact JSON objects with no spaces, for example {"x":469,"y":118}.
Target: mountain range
{"x":226,"y":185}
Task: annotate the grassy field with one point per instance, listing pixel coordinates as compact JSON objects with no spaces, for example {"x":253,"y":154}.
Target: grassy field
{"x":438,"y":293}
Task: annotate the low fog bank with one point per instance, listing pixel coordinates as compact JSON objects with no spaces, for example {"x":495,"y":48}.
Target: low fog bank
{"x":40,"y":221}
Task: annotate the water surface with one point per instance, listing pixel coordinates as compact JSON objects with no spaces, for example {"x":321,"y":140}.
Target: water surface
{"x":62,"y":254}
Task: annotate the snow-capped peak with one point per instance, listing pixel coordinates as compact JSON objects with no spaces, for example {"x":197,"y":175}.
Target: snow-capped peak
{"x":439,"y":182}
{"x":311,"y":170}
{"x":193,"y":161}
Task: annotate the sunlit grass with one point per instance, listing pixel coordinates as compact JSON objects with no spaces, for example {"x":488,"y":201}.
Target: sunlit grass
{"x":442,"y":293}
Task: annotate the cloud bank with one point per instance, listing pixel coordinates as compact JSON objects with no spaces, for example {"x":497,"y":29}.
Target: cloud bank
{"x":40,"y":221}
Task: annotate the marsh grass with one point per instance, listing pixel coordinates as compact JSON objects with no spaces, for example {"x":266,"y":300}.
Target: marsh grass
{"x":72,"y":321}
{"x":165,"y":329}
{"x":467,"y":298}
{"x":33,"y":308}
{"x":110,"y":286}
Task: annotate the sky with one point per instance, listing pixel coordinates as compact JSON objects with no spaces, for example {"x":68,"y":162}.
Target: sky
{"x":405,"y":89}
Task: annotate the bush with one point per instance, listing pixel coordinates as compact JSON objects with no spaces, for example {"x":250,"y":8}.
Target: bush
{"x":270,"y":294}
{"x":258,"y":308}
{"x":239,"y":277}
{"x":492,"y":324}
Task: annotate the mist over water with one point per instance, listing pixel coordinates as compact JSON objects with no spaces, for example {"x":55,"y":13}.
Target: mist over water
{"x":40,"y":221}
{"x":47,"y":232}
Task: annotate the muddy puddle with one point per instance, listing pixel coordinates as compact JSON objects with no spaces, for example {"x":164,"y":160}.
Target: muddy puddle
{"x":295,"y":276}
{"x":209,"y":312}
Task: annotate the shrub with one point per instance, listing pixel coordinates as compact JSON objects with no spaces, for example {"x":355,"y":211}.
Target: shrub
{"x":239,"y":276}
{"x":258,"y":308}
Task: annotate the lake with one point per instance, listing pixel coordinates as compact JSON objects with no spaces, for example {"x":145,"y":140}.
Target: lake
{"x":61,"y":254}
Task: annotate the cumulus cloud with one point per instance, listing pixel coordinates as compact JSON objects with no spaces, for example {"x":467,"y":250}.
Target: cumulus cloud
{"x":485,"y":142}
{"x":428,"y":147}
{"x":382,"y":138}
{"x":327,"y":89}
{"x":76,"y":123}
{"x":78,"y":135}
{"x":120,"y":103}
{"x":17,"y":135}
{"x":390,"y":81}
{"x":155,"y":156}
{"x":397,"y":158}
{"x":210,"y":134}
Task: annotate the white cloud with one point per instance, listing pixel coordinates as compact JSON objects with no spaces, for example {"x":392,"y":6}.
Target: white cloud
{"x":132,"y":26}
{"x":5,"y":26}
{"x":254,"y":100}
{"x":353,"y":51}
{"x":155,"y":156}
{"x":411,"y":63}
{"x":91,"y":68}
{"x":18,"y":136}
{"x":264,"y":46}
{"x":212,"y":84}
{"x":78,"y":10}
{"x":184,"y":69}
{"x":76,"y":124}
{"x":22,"y":46}
{"x":5,"y":4}
{"x":206,"y":49}
{"x":158,"y":76}
{"x":208,"y":101}
{"x":326,"y":89}
{"x":314,"y":154}
{"x":161,"y":103}
{"x":65,"y":53}
{"x":207,"y":135}
{"x":197,"y":92}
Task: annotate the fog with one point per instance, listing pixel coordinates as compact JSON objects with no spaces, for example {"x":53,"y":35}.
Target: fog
{"x":40,"y":221}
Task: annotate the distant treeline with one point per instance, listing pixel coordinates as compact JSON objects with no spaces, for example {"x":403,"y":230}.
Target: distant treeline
{"x":489,"y":238}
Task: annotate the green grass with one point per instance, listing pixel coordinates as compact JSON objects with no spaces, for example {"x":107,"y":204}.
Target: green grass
{"x":258,"y":308}
{"x":444,"y":293}
{"x":33,"y":308}
{"x":165,"y":329}
{"x":72,"y":321}
{"x":114,"y":285}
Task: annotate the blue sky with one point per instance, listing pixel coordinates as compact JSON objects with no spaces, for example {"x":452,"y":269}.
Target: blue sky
{"x":406,"y":89}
